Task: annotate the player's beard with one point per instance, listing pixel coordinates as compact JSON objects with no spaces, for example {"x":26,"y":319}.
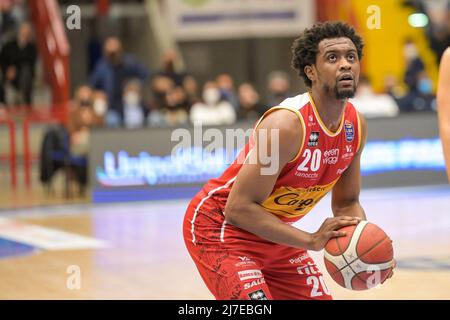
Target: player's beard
{"x":344,"y":93}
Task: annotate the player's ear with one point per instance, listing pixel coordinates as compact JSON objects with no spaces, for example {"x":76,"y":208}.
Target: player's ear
{"x":310,"y":72}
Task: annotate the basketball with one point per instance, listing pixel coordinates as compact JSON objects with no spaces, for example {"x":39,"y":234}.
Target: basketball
{"x":360,"y":260}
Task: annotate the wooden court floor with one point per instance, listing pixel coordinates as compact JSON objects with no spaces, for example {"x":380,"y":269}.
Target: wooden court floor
{"x":144,"y":255}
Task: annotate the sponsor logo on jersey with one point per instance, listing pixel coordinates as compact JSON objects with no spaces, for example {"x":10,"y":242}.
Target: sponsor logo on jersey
{"x":244,"y":261}
{"x":299,"y":259}
{"x":311,"y":121}
{"x":258,"y":295}
{"x":308,"y":269}
{"x":250,"y":274}
{"x":295,"y":202}
{"x":290,"y":199}
{"x":341,"y":171}
{"x":349,"y":131}
{"x":313,"y":139}
{"x":307,"y":175}
{"x":315,"y":189}
{"x":331,"y":156}
{"x":254,"y":283}
{"x":349,"y":152}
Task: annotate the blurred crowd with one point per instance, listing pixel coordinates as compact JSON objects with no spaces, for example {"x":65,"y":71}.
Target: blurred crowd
{"x":123,"y":93}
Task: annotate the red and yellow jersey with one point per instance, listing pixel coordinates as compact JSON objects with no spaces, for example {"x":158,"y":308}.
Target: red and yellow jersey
{"x":304,"y":181}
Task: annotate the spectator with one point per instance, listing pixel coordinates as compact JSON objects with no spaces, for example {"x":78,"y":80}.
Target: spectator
{"x":213,"y":110}
{"x":82,"y":118}
{"x":392,"y":87}
{"x":174,"y":112}
{"x":18,"y":59}
{"x":168,"y":68}
{"x":373,"y":105}
{"x":111,"y":73}
{"x":191,"y":88}
{"x":414,"y":64}
{"x":420,"y":96}
{"x":84,"y":99}
{"x":7,"y":23}
{"x":226,"y":87}
{"x":278,"y":86}
{"x":161,"y":85}
{"x":134,"y":113}
{"x":249,"y":106}
{"x":100,"y":104}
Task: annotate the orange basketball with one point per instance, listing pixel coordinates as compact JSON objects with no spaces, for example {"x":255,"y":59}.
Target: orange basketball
{"x":362,"y":259}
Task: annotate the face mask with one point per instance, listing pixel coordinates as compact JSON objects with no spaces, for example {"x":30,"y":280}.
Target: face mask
{"x":85,"y":103}
{"x":211,"y":96}
{"x":132,"y":98}
{"x":425,"y":86}
{"x":100,"y":107}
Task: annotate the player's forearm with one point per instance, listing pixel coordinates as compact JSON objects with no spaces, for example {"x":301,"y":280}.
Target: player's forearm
{"x":444,"y":129}
{"x":351,"y":209}
{"x":255,"y":219}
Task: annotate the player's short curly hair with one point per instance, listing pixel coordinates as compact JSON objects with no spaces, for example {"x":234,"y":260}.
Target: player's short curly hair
{"x":306,"y":47}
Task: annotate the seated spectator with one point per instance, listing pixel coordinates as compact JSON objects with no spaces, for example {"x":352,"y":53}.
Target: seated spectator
{"x":100,"y":105}
{"x":111,"y":73}
{"x":420,"y":95}
{"x":392,"y":87}
{"x":414,"y":64}
{"x":18,"y":59}
{"x":422,"y":98}
{"x":213,"y":110}
{"x":249,"y":106}
{"x":168,"y":68}
{"x":160,"y":87}
{"x":373,"y":105}
{"x":278,"y":86}
{"x":190,"y":86}
{"x":82,"y":117}
{"x":169,"y":104}
{"x":226,"y":87}
{"x":134,"y":112}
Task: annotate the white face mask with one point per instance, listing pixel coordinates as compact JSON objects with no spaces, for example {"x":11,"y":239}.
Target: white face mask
{"x":211,"y":96}
{"x":132,"y":98}
{"x":100,"y":107}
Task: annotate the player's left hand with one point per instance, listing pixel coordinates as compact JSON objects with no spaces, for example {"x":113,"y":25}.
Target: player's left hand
{"x":394,"y":264}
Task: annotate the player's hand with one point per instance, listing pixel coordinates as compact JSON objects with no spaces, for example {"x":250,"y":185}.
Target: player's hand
{"x":328,"y":230}
{"x":392,"y":271}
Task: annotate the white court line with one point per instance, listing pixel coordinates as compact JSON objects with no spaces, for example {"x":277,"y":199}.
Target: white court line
{"x":46,"y":238}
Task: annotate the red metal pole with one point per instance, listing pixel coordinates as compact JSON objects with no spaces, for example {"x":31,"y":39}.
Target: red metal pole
{"x":12,"y":153}
{"x":26,"y":152}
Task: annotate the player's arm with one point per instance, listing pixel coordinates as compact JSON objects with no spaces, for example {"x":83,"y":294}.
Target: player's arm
{"x":345,"y":198}
{"x":252,"y":186}
{"x":443,"y":102}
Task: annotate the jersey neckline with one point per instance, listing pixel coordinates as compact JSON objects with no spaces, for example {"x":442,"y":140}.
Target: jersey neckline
{"x":322,"y":124}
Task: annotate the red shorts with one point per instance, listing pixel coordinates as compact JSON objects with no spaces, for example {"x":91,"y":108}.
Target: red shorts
{"x":236,"y":264}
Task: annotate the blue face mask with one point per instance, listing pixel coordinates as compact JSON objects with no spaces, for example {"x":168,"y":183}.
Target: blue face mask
{"x":425,"y":86}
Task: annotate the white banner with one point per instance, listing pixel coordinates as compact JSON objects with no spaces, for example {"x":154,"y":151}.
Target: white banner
{"x":228,"y":19}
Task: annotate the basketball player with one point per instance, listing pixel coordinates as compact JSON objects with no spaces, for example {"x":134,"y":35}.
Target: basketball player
{"x":443,"y":102}
{"x":238,"y":230}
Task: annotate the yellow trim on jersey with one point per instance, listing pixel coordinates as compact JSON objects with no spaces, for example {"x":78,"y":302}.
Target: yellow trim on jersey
{"x":297,"y":112}
{"x":322,"y":125}
{"x":359,"y":131}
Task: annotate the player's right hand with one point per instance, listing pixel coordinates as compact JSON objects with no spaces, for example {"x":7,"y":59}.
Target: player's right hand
{"x":328,"y":230}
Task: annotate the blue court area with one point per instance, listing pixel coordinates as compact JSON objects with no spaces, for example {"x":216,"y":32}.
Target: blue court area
{"x":9,"y":249}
